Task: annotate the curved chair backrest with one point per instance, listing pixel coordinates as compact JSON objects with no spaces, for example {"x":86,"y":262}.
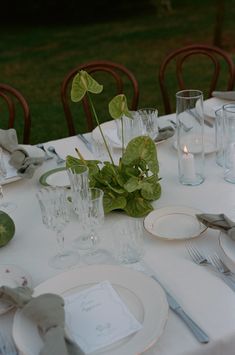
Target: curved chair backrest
{"x":215,"y":56}
{"x":13,"y":97}
{"x":117,"y":71}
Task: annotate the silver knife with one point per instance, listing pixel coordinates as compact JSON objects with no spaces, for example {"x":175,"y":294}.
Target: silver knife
{"x":86,"y":142}
{"x":201,"y":336}
{"x":226,"y":95}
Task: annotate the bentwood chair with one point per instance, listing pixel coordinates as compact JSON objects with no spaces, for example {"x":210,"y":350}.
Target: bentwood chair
{"x":120,"y":76}
{"x":186,"y":67}
{"x":11,"y":103}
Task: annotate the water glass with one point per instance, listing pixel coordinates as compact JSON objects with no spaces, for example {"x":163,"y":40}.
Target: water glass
{"x":149,"y":117}
{"x":190,"y":131}
{"x":219,"y":136}
{"x":55,"y":216}
{"x":129,"y":240}
{"x":229,"y":142}
{"x":129,"y":127}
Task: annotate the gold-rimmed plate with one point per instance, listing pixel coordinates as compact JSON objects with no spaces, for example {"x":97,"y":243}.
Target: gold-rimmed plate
{"x":174,"y":223}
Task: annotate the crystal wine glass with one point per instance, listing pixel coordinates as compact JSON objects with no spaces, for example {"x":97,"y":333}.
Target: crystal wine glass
{"x":93,"y":217}
{"x":5,"y":206}
{"x":55,"y":215}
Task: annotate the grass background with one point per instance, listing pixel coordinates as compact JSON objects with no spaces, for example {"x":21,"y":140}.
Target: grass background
{"x":36,"y":59}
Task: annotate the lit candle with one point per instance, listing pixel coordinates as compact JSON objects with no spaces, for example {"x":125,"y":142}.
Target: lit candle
{"x":188,"y":167}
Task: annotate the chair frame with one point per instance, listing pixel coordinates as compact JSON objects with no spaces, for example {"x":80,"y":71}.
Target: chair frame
{"x":91,"y":67}
{"x":7,"y":93}
{"x":183,"y":53}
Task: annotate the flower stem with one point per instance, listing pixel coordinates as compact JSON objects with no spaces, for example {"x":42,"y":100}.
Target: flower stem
{"x":101,"y":132}
{"x":122,"y":135}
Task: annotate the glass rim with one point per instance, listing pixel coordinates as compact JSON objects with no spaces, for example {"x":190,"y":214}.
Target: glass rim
{"x":197,"y":94}
{"x":227,"y":108}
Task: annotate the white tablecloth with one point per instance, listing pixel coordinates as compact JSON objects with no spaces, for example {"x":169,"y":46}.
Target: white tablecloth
{"x":203,"y":295}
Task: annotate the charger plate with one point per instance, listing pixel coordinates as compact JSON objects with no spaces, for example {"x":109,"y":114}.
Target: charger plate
{"x":143,"y":296}
{"x":55,"y":177}
{"x":174,"y":223}
{"x":213,"y":104}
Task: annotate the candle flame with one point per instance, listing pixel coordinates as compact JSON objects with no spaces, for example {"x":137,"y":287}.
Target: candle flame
{"x":185,"y":149}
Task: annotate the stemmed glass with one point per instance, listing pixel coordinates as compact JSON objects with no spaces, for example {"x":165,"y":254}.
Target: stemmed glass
{"x":5,"y":206}
{"x":55,"y":215}
{"x":93,"y":217}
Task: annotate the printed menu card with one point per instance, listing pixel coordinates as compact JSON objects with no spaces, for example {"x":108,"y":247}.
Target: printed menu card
{"x":97,"y":317}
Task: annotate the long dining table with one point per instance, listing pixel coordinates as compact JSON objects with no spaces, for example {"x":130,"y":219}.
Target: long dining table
{"x":205,"y":297}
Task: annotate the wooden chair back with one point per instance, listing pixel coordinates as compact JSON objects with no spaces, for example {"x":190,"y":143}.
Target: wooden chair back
{"x":11,"y":97}
{"x":216,"y":57}
{"x":118,"y":72}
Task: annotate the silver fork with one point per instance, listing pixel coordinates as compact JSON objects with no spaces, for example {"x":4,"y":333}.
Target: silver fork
{"x":199,"y":258}
{"x":219,"y":264}
{"x":7,"y":346}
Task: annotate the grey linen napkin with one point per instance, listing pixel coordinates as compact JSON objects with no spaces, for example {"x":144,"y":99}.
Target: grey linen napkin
{"x":47,"y":311}
{"x":26,"y":158}
{"x":218,"y":221}
{"x":226,"y":95}
{"x":8,"y":139}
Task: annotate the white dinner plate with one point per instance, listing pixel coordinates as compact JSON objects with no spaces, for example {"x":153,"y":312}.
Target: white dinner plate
{"x":55,"y":177}
{"x":174,"y":223}
{"x":109,"y":130}
{"x":227,"y":246}
{"x":12,"y":276}
{"x":143,"y":296}
{"x":213,"y":104}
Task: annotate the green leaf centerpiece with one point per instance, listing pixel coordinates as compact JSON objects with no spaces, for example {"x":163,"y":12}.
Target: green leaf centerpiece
{"x":133,"y":184}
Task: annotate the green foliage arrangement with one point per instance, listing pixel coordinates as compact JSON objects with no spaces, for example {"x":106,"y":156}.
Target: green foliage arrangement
{"x":133,"y":184}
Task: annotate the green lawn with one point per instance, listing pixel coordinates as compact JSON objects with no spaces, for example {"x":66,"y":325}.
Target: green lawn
{"x":35,"y":60}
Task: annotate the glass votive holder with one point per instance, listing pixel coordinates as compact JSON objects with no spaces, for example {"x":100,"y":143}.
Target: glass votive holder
{"x":229,"y":142}
{"x":189,"y":133}
{"x":129,"y":241}
{"x":149,"y":117}
{"x":219,"y":136}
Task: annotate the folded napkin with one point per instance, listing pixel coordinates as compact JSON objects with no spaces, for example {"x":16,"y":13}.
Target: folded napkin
{"x":218,"y":221}
{"x":47,"y":311}
{"x":164,"y":133}
{"x":226,"y":95}
{"x":26,"y":158}
{"x":8,"y":139}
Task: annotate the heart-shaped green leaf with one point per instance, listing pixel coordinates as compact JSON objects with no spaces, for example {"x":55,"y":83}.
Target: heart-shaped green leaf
{"x":83,"y":82}
{"x":118,"y":107}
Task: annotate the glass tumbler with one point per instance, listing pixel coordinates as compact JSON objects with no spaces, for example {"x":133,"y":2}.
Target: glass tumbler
{"x":189,"y":133}
{"x":219,"y":136}
{"x":229,"y":142}
{"x":149,"y":118}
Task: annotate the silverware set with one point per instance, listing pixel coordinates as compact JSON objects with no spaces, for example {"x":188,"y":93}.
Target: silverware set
{"x":54,"y":153}
{"x":213,"y":262}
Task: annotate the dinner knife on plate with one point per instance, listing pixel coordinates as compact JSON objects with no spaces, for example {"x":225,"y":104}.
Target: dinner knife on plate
{"x":201,"y":336}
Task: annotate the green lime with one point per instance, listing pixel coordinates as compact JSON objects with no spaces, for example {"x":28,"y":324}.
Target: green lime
{"x":7,"y":228}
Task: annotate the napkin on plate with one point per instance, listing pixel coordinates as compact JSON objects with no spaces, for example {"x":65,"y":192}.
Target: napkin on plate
{"x":164,"y":133}
{"x":47,"y":311}
{"x":218,"y":221}
{"x":26,"y":158}
{"x":226,"y":95}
